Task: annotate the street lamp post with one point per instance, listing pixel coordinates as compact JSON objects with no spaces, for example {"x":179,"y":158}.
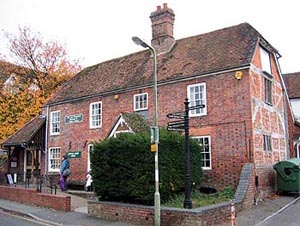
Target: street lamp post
{"x":138,"y":41}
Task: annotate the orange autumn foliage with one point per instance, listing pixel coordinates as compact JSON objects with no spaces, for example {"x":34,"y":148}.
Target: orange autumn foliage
{"x":39,"y":69}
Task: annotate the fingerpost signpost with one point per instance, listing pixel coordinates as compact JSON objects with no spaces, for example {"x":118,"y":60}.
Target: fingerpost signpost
{"x":182,"y":125}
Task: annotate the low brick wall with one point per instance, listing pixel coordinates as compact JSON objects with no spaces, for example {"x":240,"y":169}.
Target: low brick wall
{"x":31,"y":196}
{"x":204,"y":216}
{"x":144,"y":215}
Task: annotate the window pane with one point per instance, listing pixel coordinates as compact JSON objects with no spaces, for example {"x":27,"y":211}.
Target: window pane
{"x":95,"y":115}
{"x":265,"y":60}
{"x":55,"y":122}
{"x":54,"y":158}
{"x":268,"y":91}
{"x":140,"y":102}
{"x":197,"y":96}
{"x":205,"y":151}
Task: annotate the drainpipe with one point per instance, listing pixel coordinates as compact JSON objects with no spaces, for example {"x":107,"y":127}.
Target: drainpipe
{"x":46,"y":143}
{"x":285,"y":103}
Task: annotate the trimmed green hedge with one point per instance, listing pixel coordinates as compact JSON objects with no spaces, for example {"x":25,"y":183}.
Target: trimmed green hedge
{"x":123,"y":167}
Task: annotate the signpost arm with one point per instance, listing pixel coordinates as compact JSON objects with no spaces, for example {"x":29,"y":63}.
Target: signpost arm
{"x":187,"y":182}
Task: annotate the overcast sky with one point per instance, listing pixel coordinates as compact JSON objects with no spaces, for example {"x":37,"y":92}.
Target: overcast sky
{"x":98,"y":30}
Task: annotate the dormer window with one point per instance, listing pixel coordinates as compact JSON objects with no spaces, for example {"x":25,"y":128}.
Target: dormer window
{"x":265,"y":60}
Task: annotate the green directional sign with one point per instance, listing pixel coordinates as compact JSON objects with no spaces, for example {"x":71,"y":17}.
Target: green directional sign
{"x":74,"y":154}
{"x":73,"y":118}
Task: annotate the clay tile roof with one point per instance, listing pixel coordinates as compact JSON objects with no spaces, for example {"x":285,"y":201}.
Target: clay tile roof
{"x":136,"y":122}
{"x":214,"y":51}
{"x":26,"y":133}
{"x":292,"y":81}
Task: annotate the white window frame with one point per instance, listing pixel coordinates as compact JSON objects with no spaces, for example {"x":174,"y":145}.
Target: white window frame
{"x":56,"y":122}
{"x":56,"y":156}
{"x":194,"y":99}
{"x":90,"y":149}
{"x":265,"y":60}
{"x":138,"y":100}
{"x":203,"y":160}
{"x":92,"y":115}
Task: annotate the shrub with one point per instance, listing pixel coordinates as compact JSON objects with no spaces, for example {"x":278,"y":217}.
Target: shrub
{"x":123,"y":167}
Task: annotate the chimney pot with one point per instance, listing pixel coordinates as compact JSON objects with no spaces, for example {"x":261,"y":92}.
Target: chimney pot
{"x":158,"y":8}
{"x":165,"y":5}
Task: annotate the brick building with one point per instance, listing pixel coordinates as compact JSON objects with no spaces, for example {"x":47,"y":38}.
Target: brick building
{"x":233,"y":71}
{"x":291,"y":80}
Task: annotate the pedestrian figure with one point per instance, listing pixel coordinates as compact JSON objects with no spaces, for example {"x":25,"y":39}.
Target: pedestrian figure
{"x":89,"y":181}
{"x":64,"y":172}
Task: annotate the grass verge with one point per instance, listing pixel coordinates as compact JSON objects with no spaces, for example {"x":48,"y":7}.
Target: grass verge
{"x":201,"y":199}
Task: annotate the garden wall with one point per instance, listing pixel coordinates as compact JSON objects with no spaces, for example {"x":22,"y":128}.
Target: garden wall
{"x":204,"y":216}
{"x":33,"y":197}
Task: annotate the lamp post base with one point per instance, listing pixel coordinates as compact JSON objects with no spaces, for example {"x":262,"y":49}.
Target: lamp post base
{"x":187,"y":204}
{"x":157,"y":208}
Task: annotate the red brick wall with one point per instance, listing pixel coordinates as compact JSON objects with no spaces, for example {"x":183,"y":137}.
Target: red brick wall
{"x":31,"y":196}
{"x":144,"y":215}
{"x":267,"y":120}
{"x":228,"y":123}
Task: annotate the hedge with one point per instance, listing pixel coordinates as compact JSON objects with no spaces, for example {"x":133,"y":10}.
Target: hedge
{"x":123,"y":167}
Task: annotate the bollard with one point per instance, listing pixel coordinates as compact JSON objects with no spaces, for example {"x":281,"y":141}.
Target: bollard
{"x":232,"y":214}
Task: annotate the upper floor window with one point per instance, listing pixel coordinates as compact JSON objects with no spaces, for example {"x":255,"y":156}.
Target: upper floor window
{"x":96,"y":115}
{"x":140,"y":101}
{"x":55,"y":123}
{"x":197,"y":95}
{"x":267,"y":143}
{"x":265,"y":60}
{"x":54,"y":159}
{"x":205,"y":151}
{"x":268,"y":90}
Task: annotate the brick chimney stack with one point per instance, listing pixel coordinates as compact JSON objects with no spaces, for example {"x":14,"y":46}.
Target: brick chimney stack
{"x":162,"y":28}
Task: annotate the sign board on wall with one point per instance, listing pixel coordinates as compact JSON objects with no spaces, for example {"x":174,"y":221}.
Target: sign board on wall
{"x":74,"y":154}
{"x":9,"y":179}
{"x":73,"y":118}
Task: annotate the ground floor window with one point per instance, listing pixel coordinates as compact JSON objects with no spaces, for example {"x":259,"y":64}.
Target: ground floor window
{"x":205,"y":151}
{"x":90,"y":149}
{"x":54,"y":159}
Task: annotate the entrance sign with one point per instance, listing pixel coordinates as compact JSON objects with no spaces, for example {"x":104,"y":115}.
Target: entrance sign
{"x":73,"y":118}
{"x":9,"y":179}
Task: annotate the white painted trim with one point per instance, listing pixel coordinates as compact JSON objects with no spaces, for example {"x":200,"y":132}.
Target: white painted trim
{"x":134,"y":102}
{"x":205,"y":100}
{"x":51,"y":120}
{"x":90,"y":115}
{"x":210,"y":150}
{"x":25,"y":165}
{"x":49,"y":169}
{"x":90,"y":148}
{"x":120,"y":121}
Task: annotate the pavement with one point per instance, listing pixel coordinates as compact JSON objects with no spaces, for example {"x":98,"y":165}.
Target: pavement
{"x":263,"y":211}
{"x":77,"y":216}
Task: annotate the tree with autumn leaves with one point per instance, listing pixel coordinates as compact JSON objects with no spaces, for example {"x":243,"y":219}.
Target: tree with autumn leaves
{"x":39,"y":69}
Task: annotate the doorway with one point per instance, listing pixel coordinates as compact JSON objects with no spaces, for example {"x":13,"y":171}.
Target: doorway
{"x":32,"y":163}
